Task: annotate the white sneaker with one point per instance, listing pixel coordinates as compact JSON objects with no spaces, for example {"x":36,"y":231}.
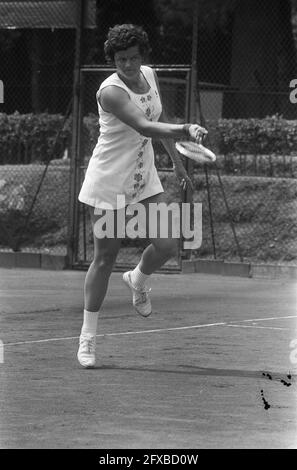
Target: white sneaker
{"x":141,"y":300}
{"x":86,"y":351}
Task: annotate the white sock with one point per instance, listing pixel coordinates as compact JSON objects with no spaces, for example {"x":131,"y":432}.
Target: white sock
{"x":90,"y":322}
{"x":138,"y":278}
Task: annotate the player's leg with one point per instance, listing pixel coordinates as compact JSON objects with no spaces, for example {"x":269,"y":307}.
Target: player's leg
{"x":163,"y":244}
{"x":154,"y":256}
{"x":95,"y":287}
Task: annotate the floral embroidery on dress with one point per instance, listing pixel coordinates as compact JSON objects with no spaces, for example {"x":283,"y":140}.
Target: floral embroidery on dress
{"x":138,"y":181}
{"x":137,"y":177}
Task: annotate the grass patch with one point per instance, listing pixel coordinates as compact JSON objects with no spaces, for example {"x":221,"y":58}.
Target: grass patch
{"x":263,"y":210}
{"x":48,"y":222}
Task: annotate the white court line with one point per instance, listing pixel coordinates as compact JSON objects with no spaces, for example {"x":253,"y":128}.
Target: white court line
{"x":159,"y":330}
{"x":270,"y":318}
{"x":256,"y":326}
{"x":262,"y":319}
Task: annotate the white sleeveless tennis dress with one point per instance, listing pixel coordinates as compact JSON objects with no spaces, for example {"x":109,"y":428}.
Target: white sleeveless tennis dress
{"x":122,"y":162}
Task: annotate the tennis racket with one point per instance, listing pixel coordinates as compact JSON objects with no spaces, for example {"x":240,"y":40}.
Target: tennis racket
{"x":195,"y":151}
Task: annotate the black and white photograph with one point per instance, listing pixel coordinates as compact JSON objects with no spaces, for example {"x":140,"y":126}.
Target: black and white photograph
{"x":148,"y":230}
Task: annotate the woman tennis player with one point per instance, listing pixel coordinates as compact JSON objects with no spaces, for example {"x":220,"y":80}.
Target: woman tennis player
{"x":130,"y":115}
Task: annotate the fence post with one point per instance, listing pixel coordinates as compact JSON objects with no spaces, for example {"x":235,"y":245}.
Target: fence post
{"x":1,"y":92}
{"x":187,"y":195}
{"x":72,"y":221}
{"x":1,"y":352}
{"x":192,"y":109}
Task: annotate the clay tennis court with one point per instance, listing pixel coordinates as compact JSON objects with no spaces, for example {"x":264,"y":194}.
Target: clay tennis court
{"x":211,"y":368}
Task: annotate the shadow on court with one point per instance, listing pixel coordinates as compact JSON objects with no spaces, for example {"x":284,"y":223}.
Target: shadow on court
{"x":213,"y":367}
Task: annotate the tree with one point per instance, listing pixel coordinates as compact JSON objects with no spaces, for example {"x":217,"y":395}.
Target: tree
{"x":175,"y":41}
{"x":112,"y":12}
{"x":263,"y":55}
{"x":246,"y":44}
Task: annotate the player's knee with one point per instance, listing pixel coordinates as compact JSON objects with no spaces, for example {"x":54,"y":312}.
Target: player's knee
{"x":169,"y":248}
{"x":174,"y":248}
{"x":105,"y":260}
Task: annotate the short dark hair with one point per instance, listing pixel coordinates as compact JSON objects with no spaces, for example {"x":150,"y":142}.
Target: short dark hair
{"x":123,"y":36}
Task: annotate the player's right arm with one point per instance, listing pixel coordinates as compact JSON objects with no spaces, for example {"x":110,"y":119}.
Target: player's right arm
{"x":115,"y":100}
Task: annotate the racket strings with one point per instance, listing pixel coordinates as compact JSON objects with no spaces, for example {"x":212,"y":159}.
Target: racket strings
{"x":195,"y":151}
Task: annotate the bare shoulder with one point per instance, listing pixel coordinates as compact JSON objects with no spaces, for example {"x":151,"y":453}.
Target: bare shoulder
{"x":112,"y":97}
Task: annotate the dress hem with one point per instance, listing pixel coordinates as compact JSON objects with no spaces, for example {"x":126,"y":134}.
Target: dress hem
{"x":102,"y":205}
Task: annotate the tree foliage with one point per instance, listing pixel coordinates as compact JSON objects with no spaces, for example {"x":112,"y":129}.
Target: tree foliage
{"x":112,"y":12}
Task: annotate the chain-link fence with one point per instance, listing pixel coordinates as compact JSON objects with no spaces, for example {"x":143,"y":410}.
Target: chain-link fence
{"x":37,"y":57}
{"x":244,"y":94}
{"x":247,"y":49}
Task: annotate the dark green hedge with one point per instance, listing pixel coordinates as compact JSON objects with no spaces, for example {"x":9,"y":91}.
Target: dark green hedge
{"x":32,"y":138}
{"x":29,"y":138}
{"x":272,"y":135}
